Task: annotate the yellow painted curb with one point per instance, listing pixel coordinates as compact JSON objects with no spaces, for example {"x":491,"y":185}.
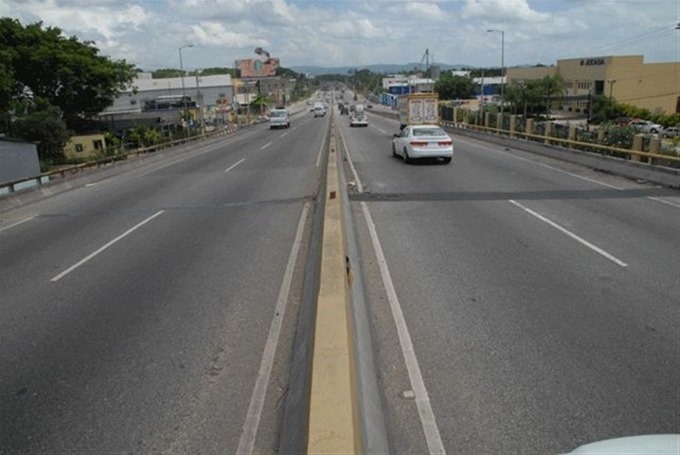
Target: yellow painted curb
{"x":333,"y":427}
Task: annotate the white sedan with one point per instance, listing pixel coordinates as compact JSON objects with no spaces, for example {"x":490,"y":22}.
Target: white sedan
{"x":358,"y":119}
{"x":423,"y":141}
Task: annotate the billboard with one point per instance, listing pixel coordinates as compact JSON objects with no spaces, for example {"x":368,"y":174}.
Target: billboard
{"x":257,"y":67}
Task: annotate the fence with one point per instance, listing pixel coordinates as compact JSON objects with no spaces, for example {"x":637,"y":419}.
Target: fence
{"x":634,"y":147}
{"x":46,"y":177}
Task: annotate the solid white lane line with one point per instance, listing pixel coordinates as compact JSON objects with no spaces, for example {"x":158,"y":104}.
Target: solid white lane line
{"x":265,"y":145}
{"x":209,"y":149}
{"x":246,"y":442}
{"x":587,"y":179}
{"x":547,"y":166}
{"x":360,"y":186}
{"x":90,"y":256}
{"x":323,"y":141}
{"x":581,"y":240}
{"x":17,"y":223}
{"x":427,"y":418}
{"x":672,"y":204}
{"x":234,"y":165}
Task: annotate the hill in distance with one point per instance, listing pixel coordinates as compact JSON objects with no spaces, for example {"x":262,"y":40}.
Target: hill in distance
{"x":378,"y":68}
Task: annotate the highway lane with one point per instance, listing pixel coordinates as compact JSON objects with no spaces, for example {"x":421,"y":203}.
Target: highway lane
{"x":136,"y":309}
{"x":541,"y":298}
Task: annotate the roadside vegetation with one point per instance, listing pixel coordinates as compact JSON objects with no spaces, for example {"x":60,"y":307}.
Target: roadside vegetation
{"x":51,"y":84}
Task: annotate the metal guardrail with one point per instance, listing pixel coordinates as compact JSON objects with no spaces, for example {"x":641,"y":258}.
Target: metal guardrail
{"x":8,"y":188}
{"x":571,"y":144}
{"x":605,"y":150}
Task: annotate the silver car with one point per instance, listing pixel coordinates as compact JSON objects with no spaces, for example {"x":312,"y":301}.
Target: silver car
{"x":278,"y":118}
{"x":423,"y":141}
{"x":671,"y":131}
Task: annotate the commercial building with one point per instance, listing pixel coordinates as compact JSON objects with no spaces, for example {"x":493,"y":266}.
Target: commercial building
{"x":402,"y":85}
{"x":161,"y":101}
{"x":626,"y":79}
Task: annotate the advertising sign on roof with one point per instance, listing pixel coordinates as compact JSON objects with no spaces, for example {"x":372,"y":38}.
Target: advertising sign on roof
{"x":257,"y":68}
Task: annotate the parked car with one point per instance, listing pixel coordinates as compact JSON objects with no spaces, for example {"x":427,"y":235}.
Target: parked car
{"x":646,"y":126}
{"x":671,"y":131}
{"x":422,"y":141}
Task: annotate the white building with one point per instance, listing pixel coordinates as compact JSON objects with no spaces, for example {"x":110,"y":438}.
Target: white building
{"x":147,"y":94}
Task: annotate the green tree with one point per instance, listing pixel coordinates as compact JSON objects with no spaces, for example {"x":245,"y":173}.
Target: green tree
{"x":552,"y":87}
{"x":42,"y":123}
{"x":218,"y":70}
{"x":533,"y":96}
{"x":365,"y":81}
{"x":144,"y":136}
{"x":166,"y":73}
{"x":68,"y":73}
{"x":454,"y":87}
{"x":261,"y":102}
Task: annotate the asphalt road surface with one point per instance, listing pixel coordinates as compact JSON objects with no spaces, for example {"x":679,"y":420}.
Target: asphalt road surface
{"x":518,"y":304}
{"x":541,"y":300}
{"x":136,"y":309}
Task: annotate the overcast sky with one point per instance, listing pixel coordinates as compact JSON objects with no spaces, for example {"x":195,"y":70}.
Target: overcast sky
{"x":329,"y":33}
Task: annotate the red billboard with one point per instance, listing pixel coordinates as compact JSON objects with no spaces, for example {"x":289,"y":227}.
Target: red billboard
{"x":257,"y":67}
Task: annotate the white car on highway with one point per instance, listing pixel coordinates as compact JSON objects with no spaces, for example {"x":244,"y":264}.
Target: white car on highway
{"x":278,"y":118}
{"x":422,"y":141}
{"x":358,"y":119}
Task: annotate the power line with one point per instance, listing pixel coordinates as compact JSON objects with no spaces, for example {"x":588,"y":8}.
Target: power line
{"x":647,"y":36}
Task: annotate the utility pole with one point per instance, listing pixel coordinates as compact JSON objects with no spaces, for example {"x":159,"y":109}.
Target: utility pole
{"x":502,"y":32}
{"x":184,"y":95}
{"x":199,"y":98}
{"x":611,"y":83}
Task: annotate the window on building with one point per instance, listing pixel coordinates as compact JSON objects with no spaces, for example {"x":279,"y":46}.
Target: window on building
{"x":79,"y":147}
{"x":98,"y":145}
{"x":599,"y":88}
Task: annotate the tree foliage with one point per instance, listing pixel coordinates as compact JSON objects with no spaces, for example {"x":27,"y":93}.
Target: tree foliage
{"x":451,"y":87}
{"x":42,"y":123}
{"x":365,"y":80}
{"x":533,"y":96}
{"x":41,"y":63}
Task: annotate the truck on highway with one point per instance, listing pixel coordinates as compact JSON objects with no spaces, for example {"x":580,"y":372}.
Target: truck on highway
{"x":418,"y":109}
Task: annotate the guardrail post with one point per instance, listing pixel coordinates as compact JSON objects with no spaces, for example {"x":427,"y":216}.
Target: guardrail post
{"x":530,"y":126}
{"x":499,"y":123}
{"x":548,"y":132}
{"x":487,"y":119}
{"x":455,"y":115}
{"x":654,"y":147}
{"x":600,"y":136}
{"x":637,"y":146}
{"x":572,"y":136}
{"x":513,"y":125}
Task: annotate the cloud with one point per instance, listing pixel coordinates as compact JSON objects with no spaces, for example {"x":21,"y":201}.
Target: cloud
{"x":500,"y":11}
{"x":216,"y":34}
{"x":358,"y":32}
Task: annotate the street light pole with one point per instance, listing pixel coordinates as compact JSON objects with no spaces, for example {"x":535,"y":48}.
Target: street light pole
{"x":502,"y":32}
{"x":184,"y":95}
{"x":611,"y":83}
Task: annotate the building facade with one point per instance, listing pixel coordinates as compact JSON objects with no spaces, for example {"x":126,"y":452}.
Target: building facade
{"x":626,"y":79}
{"x":161,"y":101}
{"x":85,"y":146}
